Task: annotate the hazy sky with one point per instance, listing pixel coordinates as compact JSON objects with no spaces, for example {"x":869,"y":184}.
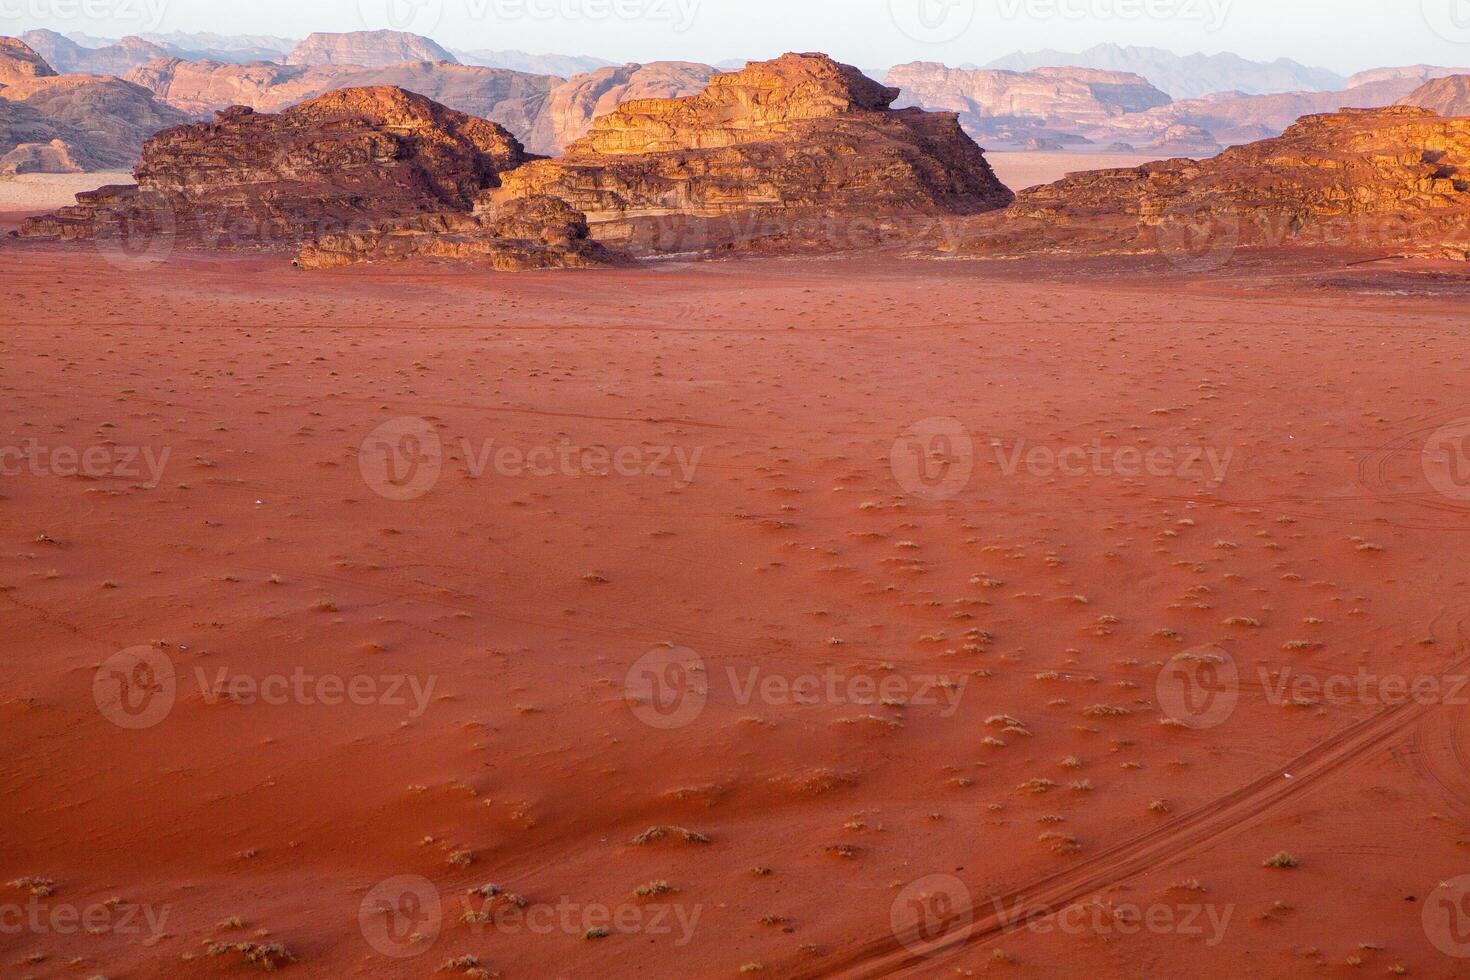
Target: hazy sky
{"x":1343,"y":34}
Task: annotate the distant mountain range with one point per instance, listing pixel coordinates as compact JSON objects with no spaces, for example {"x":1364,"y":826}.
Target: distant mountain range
{"x":564,"y":65}
{"x":1185,"y":76}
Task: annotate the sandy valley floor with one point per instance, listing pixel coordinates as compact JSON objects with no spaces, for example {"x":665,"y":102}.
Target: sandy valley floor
{"x":777,"y":616}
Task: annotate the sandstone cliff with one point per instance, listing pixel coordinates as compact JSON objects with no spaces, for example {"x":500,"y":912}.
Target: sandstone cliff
{"x":62,"y":123}
{"x":570,"y":108}
{"x":1384,"y":181}
{"x":354,"y":155}
{"x":368,"y":49}
{"x":801,"y":135}
{"x":1015,"y":106}
{"x":68,"y":57}
{"x":510,"y":98}
{"x":1446,"y":96}
{"x":528,"y":233}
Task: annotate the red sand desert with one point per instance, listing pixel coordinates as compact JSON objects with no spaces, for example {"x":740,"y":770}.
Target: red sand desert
{"x":784,"y":617}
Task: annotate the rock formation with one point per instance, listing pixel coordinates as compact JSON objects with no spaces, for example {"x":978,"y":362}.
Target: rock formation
{"x":68,"y":57}
{"x":1048,"y":103}
{"x":570,"y":108}
{"x":786,"y":139}
{"x":1384,"y":181}
{"x":1446,"y":96}
{"x":510,"y":98}
{"x":250,"y":179}
{"x":1185,"y":76}
{"x":528,"y":233}
{"x":19,"y":62}
{"x":367,"y":49}
{"x":63,"y":123}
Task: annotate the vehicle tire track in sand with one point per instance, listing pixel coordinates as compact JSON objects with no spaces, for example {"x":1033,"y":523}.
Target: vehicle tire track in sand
{"x":888,"y":956}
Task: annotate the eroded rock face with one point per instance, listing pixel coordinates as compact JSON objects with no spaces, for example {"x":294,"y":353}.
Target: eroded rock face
{"x":18,"y":61}
{"x":510,"y":98}
{"x":1385,"y":181}
{"x":528,"y":233}
{"x":368,"y":49}
{"x":70,"y":122}
{"x":249,"y":179}
{"x":1017,"y":106}
{"x":1446,"y":96}
{"x":67,"y":56}
{"x":571,"y":106}
{"x":801,"y":134}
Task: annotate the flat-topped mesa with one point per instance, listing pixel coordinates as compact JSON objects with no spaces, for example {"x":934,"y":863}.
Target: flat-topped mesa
{"x":1390,"y":181}
{"x":251,"y":179}
{"x":798,"y":138}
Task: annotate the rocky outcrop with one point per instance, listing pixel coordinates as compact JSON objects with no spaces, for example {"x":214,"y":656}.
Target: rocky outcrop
{"x":1232,"y":118}
{"x":528,"y":233}
{"x":510,"y":98}
{"x":1384,"y":181}
{"x":560,"y":65}
{"x":368,"y":49}
{"x":1185,"y":76}
{"x":801,"y":135}
{"x":1446,"y":96}
{"x":19,"y":62}
{"x":54,"y":157}
{"x":61,"y":123}
{"x":570,"y":107}
{"x":250,"y":179}
{"x":1017,"y":106}
{"x":68,"y":57}
{"x":1410,"y":73}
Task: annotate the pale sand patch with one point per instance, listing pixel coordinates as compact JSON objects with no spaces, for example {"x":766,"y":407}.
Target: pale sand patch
{"x":38,"y":193}
{"x":1019,"y":170}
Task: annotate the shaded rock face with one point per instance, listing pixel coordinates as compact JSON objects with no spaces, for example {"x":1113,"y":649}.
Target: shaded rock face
{"x":801,"y":134}
{"x":67,"y":56}
{"x":40,"y":158}
{"x":1446,"y":96}
{"x":200,"y":87}
{"x":248,"y":179}
{"x":71,"y":122}
{"x":1017,"y":106}
{"x":18,"y":61}
{"x":528,"y":233}
{"x":571,"y":107}
{"x":368,"y":49}
{"x":1393,"y":181}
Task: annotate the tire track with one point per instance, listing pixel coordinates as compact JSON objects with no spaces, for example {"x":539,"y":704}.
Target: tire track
{"x":889,"y":956}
